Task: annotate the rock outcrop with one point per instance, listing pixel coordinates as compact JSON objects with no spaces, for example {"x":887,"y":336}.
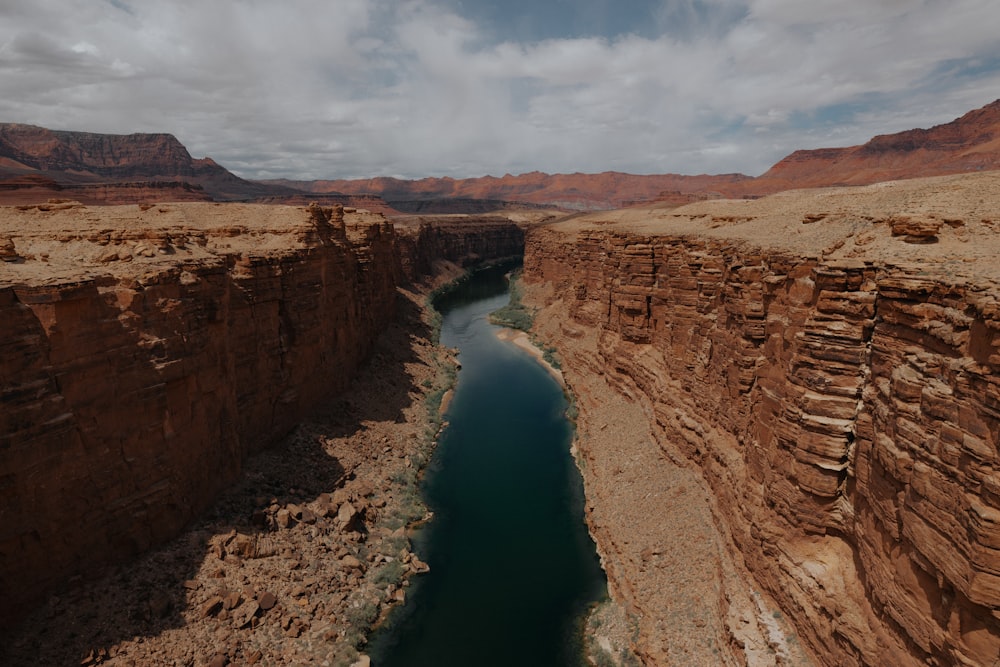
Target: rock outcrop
{"x":146,"y":351}
{"x":833,"y":384}
{"x":968,"y":144}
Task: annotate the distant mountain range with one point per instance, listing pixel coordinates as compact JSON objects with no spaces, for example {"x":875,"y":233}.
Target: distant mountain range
{"x":970,"y":143}
{"x":571,"y":191}
{"x":37,"y":164}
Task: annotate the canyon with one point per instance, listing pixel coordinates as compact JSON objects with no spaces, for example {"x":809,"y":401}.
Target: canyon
{"x":816,"y":376}
{"x":788,"y":415}
{"x":149,"y":350}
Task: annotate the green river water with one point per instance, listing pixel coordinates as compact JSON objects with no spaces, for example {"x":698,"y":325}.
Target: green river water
{"x":513,"y":569}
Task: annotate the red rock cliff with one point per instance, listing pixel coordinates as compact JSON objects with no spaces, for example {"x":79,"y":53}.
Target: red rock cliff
{"x":145,"y":351}
{"x":145,"y":355}
{"x":968,"y":144}
{"x":834,"y":378}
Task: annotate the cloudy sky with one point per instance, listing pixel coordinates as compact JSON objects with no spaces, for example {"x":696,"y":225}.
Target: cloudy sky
{"x":411,"y":88}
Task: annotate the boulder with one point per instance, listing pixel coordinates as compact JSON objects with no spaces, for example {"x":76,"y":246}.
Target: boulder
{"x":915,"y":230}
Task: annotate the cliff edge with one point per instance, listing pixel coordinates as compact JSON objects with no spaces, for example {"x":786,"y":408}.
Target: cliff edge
{"x":146,"y":351}
{"x":817,"y":374}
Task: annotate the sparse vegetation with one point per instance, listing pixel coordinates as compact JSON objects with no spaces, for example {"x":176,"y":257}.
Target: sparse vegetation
{"x":390,"y":573}
{"x":515,"y":314}
{"x":361,"y":618}
{"x":409,"y":506}
{"x":433,"y":402}
{"x":602,"y":658}
{"x":395,"y":545}
{"x":612,"y":648}
{"x":572,"y":412}
{"x":629,"y":659}
{"x":549,"y":354}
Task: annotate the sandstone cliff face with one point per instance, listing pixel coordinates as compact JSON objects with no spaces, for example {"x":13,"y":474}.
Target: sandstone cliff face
{"x":146,"y":351}
{"x":838,"y":394}
{"x":462,"y":241}
{"x":117,"y":156}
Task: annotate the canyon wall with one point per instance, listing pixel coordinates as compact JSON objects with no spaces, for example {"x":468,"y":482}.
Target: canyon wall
{"x":834,"y":380}
{"x":147,"y":351}
{"x":460,"y":240}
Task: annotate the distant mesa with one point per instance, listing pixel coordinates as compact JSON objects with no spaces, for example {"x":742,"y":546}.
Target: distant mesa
{"x":574,"y":192}
{"x":970,"y":143}
{"x":37,"y":163}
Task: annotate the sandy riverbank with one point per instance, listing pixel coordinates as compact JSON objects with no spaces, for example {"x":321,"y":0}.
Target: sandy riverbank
{"x":522,"y":340}
{"x":683,"y":596}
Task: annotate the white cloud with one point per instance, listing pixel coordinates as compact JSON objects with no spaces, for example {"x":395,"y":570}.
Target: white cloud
{"x":315,"y":89}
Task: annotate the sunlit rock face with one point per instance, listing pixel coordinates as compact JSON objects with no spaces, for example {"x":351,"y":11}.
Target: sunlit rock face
{"x":836,"y":385}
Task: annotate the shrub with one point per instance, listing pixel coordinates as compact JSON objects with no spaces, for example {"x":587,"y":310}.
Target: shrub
{"x":601,"y":657}
{"x":390,"y":573}
{"x":394,"y":545}
{"x":361,"y":618}
{"x":550,"y":357}
{"x":514,"y":315}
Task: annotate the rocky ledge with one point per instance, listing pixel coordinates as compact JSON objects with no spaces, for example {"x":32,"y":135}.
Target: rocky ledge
{"x":789,"y":420}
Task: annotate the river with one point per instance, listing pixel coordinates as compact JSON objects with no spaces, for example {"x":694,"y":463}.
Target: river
{"x":513,"y":569}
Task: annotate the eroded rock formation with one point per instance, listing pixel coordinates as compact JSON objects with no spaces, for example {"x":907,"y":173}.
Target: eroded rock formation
{"x":145,"y":351}
{"x":834,"y":384}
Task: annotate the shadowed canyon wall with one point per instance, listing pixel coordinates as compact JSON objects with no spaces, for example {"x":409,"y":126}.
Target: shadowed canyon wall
{"x":844,"y":410}
{"x":146,"y":351}
{"x":460,"y":240}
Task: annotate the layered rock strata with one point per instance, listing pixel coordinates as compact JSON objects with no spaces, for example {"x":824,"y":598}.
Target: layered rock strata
{"x":463,"y":240}
{"x":147,"y":350}
{"x":831,"y":377}
{"x":133,"y":392}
